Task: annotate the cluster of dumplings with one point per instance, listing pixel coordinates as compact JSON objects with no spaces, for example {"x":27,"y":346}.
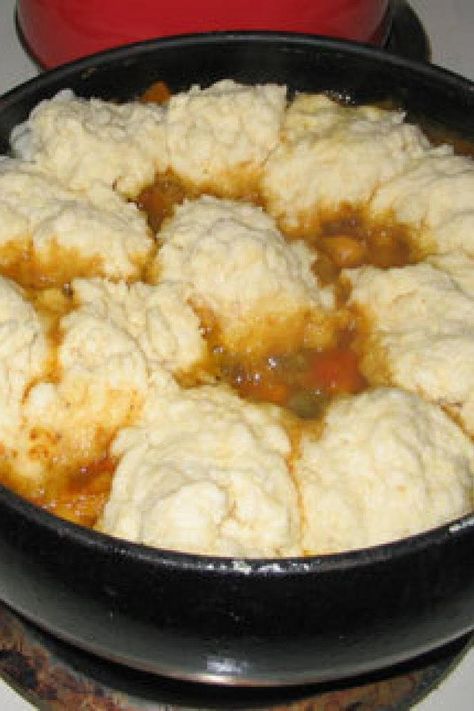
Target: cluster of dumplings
{"x":105,"y":321}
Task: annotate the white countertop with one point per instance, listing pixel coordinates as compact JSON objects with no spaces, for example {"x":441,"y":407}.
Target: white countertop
{"x":449,"y":25}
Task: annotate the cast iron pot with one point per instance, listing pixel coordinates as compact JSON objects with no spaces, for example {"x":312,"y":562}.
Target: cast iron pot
{"x":224,"y":620}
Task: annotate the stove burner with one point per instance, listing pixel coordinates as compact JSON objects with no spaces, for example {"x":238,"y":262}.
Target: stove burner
{"x":55,"y":676}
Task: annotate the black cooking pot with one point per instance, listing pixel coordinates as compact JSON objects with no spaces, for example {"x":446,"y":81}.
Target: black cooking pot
{"x":226,"y":620}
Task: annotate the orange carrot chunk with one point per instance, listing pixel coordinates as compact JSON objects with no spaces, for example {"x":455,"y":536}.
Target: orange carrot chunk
{"x":157,"y":93}
{"x":335,"y":370}
{"x":266,"y":390}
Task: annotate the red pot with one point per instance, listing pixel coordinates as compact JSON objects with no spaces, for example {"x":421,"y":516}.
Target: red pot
{"x":58,"y":31}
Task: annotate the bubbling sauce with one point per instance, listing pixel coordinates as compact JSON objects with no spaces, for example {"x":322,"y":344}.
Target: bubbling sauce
{"x":79,"y":495}
{"x":303,"y":380}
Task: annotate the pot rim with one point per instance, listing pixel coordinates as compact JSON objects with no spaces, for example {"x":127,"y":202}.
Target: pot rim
{"x":136,"y":49}
{"x":171,"y":559}
{"x":265,"y":567}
